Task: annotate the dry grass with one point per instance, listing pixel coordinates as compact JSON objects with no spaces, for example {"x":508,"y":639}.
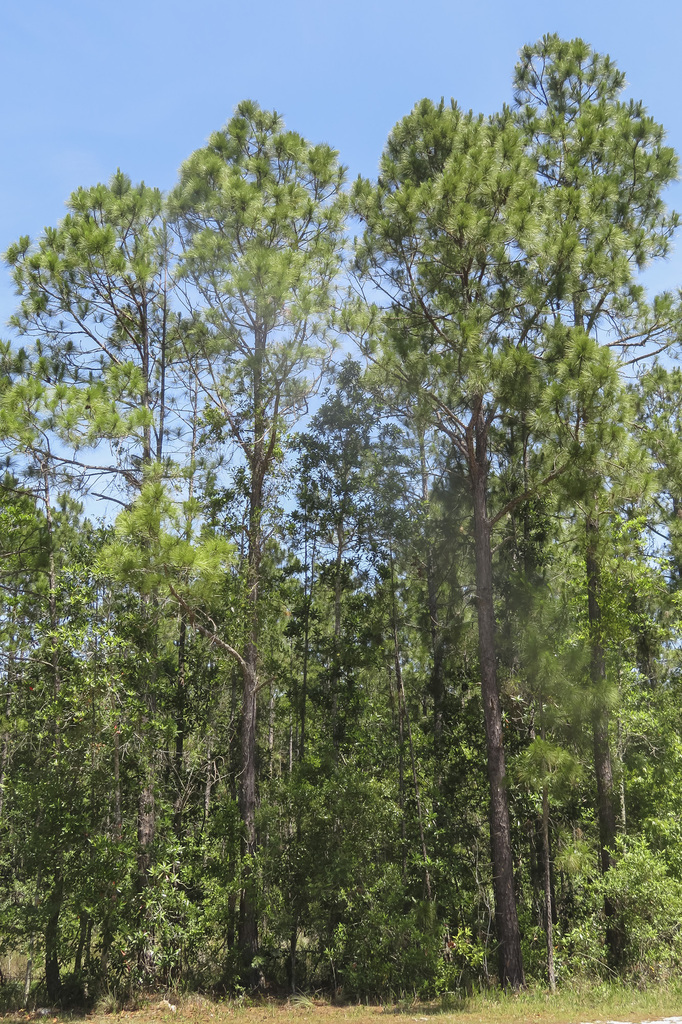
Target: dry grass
{"x":570,"y":1006}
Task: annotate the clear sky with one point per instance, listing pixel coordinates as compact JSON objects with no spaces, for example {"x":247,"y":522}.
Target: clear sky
{"x":90,"y":86}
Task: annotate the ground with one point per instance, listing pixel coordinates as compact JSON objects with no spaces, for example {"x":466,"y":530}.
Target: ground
{"x":653,"y":1006}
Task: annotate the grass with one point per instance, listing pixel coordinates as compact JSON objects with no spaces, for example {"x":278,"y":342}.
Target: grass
{"x":572,"y":1004}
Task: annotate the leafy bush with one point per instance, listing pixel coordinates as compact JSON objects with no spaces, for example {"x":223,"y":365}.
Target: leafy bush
{"x":383,"y":947}
{"x":648,"y":903}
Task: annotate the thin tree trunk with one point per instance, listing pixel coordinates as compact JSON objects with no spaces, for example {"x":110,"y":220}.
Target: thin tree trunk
{"x":180,"y":698}
{"x":621,"y":755}
{"x":118,"y":820}
{"x":52,"y":581}
{"x":107,"y":940}
{"x":6,"y":735}
{"x":248,"y":925}
{"x":403,"y":707}
{"x":293,"y":941}
{"x":3,"y":768}
{"x":600,"y":734}
{"x":510,"y":960}
{"x":146,"y":828}
{"x":208,"y":785}
{"x":401,"y":770}
{"x":88,"y":944}
{"x":336,"y":664}
{"x":271,"y":731}
{"x":547,"y":878}
{"x":437,"y":675}
{"x":248,"y":794}
{"x":209,"y":781}
{"x":415,"y":780}
{"x":308,"y":595}
{"x":28,"y":978}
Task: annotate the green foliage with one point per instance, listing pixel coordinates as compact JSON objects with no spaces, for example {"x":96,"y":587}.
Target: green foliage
{"x":304,"y":609}
{"x":383,"y":947}
{"x":649,"y":903}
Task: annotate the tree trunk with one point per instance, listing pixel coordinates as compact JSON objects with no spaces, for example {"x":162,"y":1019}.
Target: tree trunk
{"x":180,"y":698}
{"x":600,"y":734}
{"x":107,"y":940}
{"x":146,"y":830}
{"x":403,"y":708}
{"x":437,"y":676}
{"x":4,"y":756}
{"x":547,"y":878}
{"x":506,"y":921}
{"x":28,"y":978}
{"x":401,"y":773}
{"x":308,"y":596}
{"x":118,"y":820}
{"x":146,"y":823}
{"x":293,"y":941}
{"x":621,"y":787}
{"x":248,"y":779}
{"x":52,"y":979}
{"x":84,"y":923}
{"x":248,"y":924}
{"x":335,"y":675}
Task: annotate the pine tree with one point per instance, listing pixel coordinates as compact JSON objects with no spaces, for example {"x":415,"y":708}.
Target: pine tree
{"x":445,"y":230}
{"x":260,"y":215}
{"x":602,"y":165}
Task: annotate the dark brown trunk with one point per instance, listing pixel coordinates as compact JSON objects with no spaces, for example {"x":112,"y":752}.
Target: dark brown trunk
{"x":84,"y":922}
{"x":510,"y":961}
{"x":52,"y":979}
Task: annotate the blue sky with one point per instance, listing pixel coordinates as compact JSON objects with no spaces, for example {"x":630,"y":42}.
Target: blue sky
{"x":90,"y":86}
